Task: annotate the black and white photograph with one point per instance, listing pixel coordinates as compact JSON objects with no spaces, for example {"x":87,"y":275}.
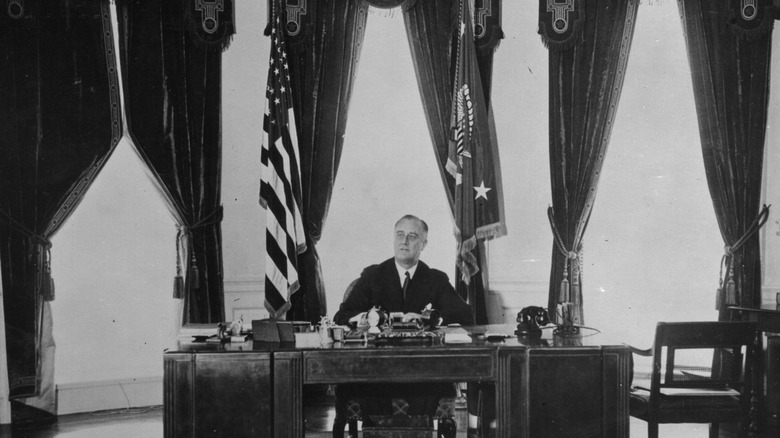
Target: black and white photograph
{"x":389,"y":218}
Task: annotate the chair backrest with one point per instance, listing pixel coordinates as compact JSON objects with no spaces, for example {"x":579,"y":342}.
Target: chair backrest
{"x":349,"y":290}
{"x":704,"y":355}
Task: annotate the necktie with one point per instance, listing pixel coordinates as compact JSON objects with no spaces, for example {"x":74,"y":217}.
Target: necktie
{"x":406,"y":284}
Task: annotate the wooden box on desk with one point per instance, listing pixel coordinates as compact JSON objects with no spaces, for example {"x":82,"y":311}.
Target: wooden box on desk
{"x":271,"y":330}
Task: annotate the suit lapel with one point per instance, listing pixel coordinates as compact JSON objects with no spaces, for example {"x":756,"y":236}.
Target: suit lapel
{"x":393,"y":284}
{"x":418,"y":289}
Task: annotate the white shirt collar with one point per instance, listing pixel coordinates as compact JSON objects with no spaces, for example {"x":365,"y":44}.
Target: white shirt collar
{"x":401,"y":272}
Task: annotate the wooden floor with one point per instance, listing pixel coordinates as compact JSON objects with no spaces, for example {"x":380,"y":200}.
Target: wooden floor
{"x":148,"y":423}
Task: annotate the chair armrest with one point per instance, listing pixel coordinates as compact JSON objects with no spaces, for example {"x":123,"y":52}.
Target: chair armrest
{"x":640,"y":352}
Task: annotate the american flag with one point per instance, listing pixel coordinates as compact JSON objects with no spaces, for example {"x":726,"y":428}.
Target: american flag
{"x":280,"y":185}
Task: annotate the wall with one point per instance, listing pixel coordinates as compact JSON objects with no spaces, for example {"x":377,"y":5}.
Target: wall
{"x":652,"y":248}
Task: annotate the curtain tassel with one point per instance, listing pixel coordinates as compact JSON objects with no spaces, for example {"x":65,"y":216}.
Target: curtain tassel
{"x":730,"y":293}
{"x":47,"y":282}
{"x":194,"y":274}
{"x":47,"y":286}
{"x":564,"y":294}
{"x":574,"y":295}
{"x":575,"y":291}
{"x":718,"y":297}
{"x":178,"y":287}
{"x":178,"y":280}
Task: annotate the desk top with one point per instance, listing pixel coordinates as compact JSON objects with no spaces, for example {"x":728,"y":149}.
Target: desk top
{"x":765,"y":308}
{"x":587,"y":338}
{"x":767,"y":318}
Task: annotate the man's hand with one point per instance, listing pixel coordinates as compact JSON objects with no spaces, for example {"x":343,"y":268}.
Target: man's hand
{"x":411,"y":316}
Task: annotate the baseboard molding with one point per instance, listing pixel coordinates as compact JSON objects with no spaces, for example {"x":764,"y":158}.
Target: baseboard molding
{"x":73,"y":398}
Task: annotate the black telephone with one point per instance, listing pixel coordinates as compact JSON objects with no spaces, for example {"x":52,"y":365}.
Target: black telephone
{"x":531,"y":319}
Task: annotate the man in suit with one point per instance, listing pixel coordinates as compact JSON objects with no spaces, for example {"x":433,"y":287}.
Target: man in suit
{"x":382,"y":285}
{"x":401,"y":284}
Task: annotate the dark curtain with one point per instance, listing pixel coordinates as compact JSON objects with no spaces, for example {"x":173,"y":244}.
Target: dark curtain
{"x":588,"y":49}
{"x":172,"y":82}
{"x":431,"y":28}
{"x":729,"y":51}
{"x":324,"y":42}
{"x":59,"y":123}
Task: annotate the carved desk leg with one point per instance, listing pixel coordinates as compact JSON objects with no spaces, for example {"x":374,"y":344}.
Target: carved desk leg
{"x":288,"y":395}
{"x":756,"y":383}
{"x":512,"y":394}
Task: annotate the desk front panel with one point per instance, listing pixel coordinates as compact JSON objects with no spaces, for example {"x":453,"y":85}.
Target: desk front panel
{"x":400,"y":365}
{"x":217,"y":395}
{"x":580,"y":392}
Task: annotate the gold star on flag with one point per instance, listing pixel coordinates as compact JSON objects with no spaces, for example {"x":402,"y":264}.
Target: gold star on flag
{"x":482,"y":191}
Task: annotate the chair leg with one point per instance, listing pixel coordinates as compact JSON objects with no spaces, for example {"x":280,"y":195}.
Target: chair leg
{"x":652,"y":430}
{"x":714,"y":430}
{"x":353,"y":429}
{"x":338,"y":428}
{"x":447,"y":428}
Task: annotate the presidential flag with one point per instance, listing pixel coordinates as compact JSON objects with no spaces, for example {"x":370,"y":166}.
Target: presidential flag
{"x":280,"y":185}
{"x":473,"y":154}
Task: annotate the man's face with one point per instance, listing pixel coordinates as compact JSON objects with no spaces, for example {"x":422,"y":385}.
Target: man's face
{"x":410,"y":239}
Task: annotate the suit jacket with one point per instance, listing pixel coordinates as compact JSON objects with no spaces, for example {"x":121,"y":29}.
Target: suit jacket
{"x":380,"y":286}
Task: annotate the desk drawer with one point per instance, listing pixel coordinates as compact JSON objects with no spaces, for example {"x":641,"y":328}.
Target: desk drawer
{"x":397,"y":366}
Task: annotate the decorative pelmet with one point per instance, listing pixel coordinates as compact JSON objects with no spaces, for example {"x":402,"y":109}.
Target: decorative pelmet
{"x":751,"y":19}
{"x":487,"y":24}
{"x":560,"y":23}
{"x":211,"y":23}
{"x":15,"y":9}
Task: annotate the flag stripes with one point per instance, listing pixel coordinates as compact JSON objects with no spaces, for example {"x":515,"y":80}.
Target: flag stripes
{"x":280,"y":185}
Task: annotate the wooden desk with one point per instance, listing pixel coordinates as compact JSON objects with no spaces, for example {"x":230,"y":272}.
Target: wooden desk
{"x":544,"y":387}
{"x":217,"y":393}
{"x":767,"y":319}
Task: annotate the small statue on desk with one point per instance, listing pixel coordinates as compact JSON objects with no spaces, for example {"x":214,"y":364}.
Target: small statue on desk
{"x":325,"y":327}
{"x":222,"y":334}
{"x":236,"y":326}
{"x":431,"y":318}
{"x":375,"y":318}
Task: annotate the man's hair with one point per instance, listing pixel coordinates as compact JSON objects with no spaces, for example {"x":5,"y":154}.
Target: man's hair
{"x":414,"y":218}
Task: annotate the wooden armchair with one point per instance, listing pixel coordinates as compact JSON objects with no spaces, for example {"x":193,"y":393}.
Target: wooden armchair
{"x":716,"y":391}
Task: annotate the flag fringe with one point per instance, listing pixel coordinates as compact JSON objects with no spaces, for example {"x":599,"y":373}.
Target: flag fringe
{"x":277,"y":313}
{"x":491,"y":231}
{"x":292,"y":289}
{"x":451,"y":167}
{"x":466,"y":261}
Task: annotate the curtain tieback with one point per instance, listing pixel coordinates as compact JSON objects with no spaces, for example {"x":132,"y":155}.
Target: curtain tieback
{"x":728,"y":294}
{"x":44,"y":280}
{"x":213,"y":218}
{"x":569,"y":292}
